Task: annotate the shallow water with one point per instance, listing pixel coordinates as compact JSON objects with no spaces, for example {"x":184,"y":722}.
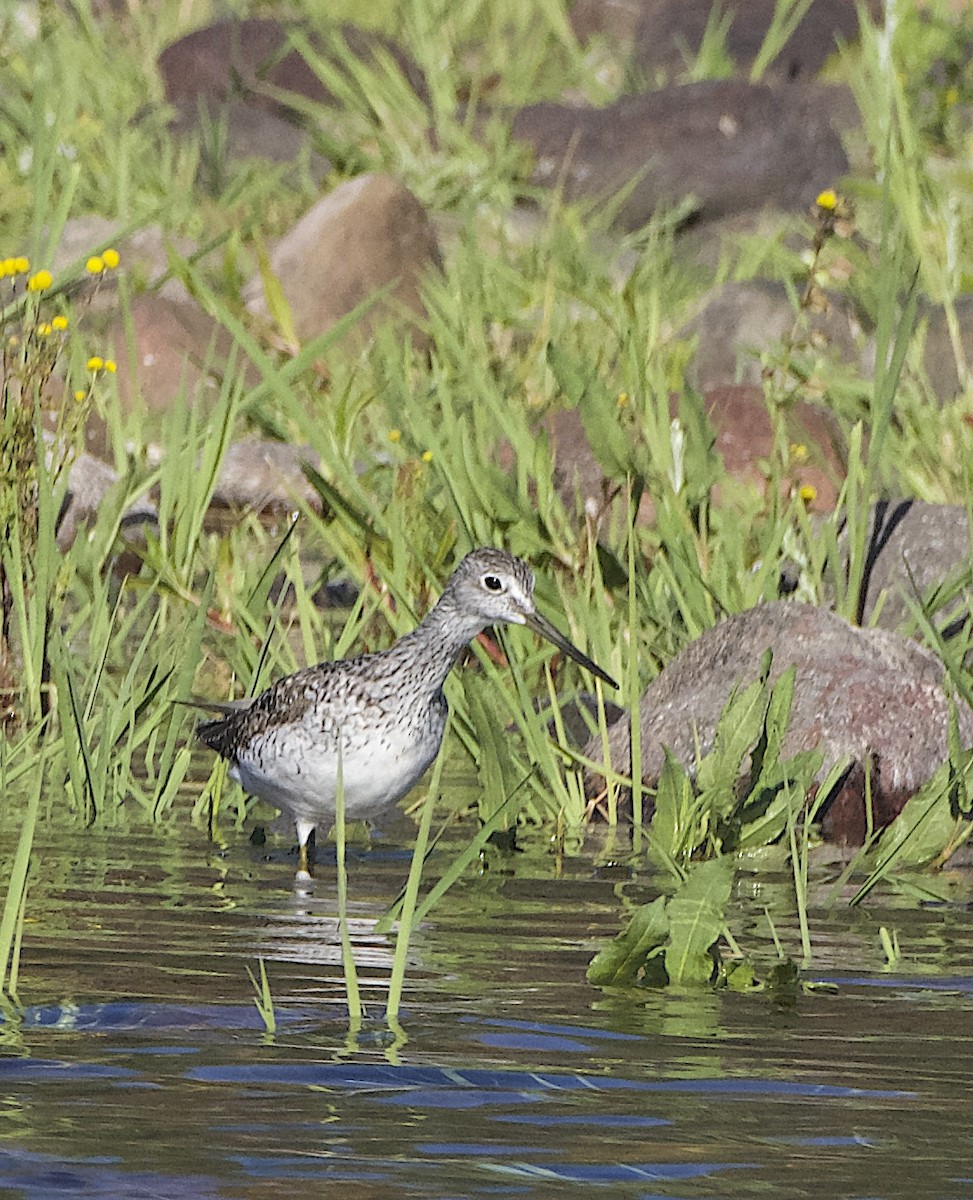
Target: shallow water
{"x":140,"y":1067}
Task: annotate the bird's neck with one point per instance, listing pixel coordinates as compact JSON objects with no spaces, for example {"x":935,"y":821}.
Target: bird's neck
{"x":439,"y":639}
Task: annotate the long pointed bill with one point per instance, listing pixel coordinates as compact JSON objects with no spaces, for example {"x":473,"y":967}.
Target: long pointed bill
{"x":542,"y":626}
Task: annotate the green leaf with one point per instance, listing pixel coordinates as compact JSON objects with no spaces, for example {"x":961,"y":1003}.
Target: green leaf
{"x":930,"y":826}
{"x":674,"y":803}
{"x":598,"y":412}
{"x":696,"y":921}
{"x":736,"y":734}
{"x":277,"y":306}
{"x":625,"y":958}
{"x":767,"y":753}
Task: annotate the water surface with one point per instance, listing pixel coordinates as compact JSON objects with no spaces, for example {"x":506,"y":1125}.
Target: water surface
{"x":139,"y":1066}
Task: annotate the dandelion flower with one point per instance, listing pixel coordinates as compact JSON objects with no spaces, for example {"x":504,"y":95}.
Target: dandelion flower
{"x":111,"y":366}
{"x":395,"y":435}
{"x":44,"y":329}
{"x":808,"y":493}
{"x":80,"y":394}
{"x":828,"y":199}
{"x":60,"y":322}
{"x":427,"y":456}
{"x":20,"y":265}
{"x":95,"y":265}
{"x":110,"y":258}
{"x":95,"y":363}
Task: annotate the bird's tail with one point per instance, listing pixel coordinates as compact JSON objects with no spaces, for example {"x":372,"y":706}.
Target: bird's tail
{"x":220,"y":733}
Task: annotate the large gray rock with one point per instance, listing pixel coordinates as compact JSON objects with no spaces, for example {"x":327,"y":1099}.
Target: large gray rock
{"x":368,"y":233}
{"x":727,"y":145}
{"x":264,"y":476}
{"x":913,"y":547}
{"x":255,"y":59}
{"x":867,"y":695}
{"x":738,"y":322}
{"x":90,"y":480}
{"x":669,"y":33}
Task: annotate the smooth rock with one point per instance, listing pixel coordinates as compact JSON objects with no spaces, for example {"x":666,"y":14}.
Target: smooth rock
{"x":737,"y":322}
{"x":727,"y":145}
{"x":144,"y":258}
{"x":939,"y":353}
{"x":616,"y":19}
{"x":245,"y":131}
{"x":265,"y":476}
{"x":368,"y":233}
{"x":864,"y":694}
{"x":89,"y":482}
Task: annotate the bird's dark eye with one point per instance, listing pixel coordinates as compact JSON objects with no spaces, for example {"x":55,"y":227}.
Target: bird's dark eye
{"x":492,"y":583}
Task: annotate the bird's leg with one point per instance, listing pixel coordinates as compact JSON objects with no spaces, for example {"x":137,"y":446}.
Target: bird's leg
{"x":305,"y":859}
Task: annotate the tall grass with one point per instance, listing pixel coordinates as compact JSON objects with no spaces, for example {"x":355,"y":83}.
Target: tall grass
{"x":418,"y":458}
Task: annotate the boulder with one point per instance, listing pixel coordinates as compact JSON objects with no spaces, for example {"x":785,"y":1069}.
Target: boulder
{"x":864,"y":695}
{"x":669,"y":33}
{"x":367,"y":234}
{"x":723,"y":145}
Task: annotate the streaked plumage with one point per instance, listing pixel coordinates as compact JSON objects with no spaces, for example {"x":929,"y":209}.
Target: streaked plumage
{"x":386,"y":710}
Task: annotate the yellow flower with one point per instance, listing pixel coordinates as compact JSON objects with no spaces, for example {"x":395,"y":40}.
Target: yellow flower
{"x":20,"y":265}
{"x":94,"y":265}
{"x":13,"y":340}
{"x":79,"y":395}
{"x":951,"y":96}
{"x":111,"y":366}
{"x":427,"y":456}
{"x":808,"y":493}
{"x":44,"y":329}
{"x":798,"y":451}
{"x":110,"y":258}
{"x":622,"y":400}
{"x":827,"y":199}
{"x":60,"y":322}
{"x":395,"y":435}
{"x":40,"y":282}
{"x":95,"y":363}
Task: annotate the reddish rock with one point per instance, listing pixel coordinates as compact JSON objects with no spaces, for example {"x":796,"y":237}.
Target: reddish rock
{"x":171,"y":348}
{"x":744,"y":436}
{"x":727,"y":145}
{"x":866,"y":695}
{"x":368,"y":233}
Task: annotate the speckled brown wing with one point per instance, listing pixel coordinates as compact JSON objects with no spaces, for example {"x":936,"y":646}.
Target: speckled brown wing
{"x":283,"y":703}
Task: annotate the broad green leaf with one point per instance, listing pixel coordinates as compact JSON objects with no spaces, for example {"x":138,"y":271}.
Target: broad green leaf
{"x":763,"y":815}
{"x":767,"y":754}
{"x":620,"y":963}
{"x":696,"y":921}
{"x":736,"y":734}
{"x":674,"y":802}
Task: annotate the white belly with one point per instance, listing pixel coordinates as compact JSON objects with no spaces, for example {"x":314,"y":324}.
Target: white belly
{"x":300,"y":775}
